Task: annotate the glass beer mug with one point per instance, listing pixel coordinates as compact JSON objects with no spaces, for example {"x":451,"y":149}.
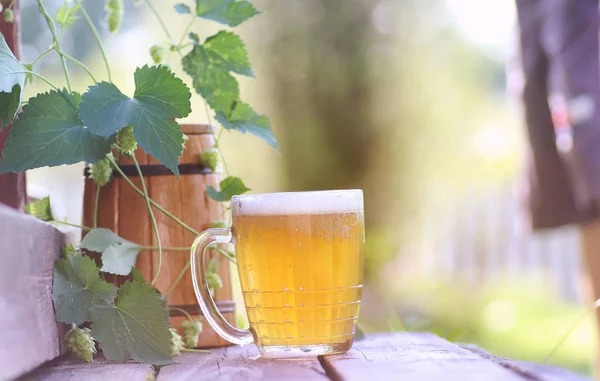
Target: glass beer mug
{"x":300,"y":262}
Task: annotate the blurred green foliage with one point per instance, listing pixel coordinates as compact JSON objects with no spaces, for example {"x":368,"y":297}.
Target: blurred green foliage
{"x":511,"y":319}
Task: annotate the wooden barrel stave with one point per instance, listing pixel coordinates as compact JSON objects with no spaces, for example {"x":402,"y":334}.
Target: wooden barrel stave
{"x":124,"y":211}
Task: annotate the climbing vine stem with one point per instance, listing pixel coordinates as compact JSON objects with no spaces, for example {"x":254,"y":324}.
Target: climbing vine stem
{"x":88,"y":20}
{"x":56,"y":40}
{"x":151,"y":213}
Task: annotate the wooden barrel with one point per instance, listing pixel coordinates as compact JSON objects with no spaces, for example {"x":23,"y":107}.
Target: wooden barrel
{"x":124,"y":212}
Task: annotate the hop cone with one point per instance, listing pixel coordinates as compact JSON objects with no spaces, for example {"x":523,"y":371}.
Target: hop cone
{"x":127,"y":140}
{"x":81,"y":343}
{"x":176,"y":343}
{"x":9,"y":15}
{"x":210,"y":159}
{"x":159,"y":53}
{"x":218,"y":224}
{"x":214,"y":281}
{"x":101,"y":172}
{"x":114,"y":14}
{"x":191,"y":331}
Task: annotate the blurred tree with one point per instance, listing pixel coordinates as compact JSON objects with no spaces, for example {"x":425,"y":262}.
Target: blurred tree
{"x":375,"y":94}
{"x":333,"y":134}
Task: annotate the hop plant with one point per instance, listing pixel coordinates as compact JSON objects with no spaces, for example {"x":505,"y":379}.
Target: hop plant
{"x":191,"y":332}
{"x":40,"y":209}
{"x":210,"y":158}
{"x":214,"y":281}
{"x":114,"y":14}
{"x":81,"y":343}
{"x":176,"y":343}
{"x":68,"y":250}
{"x":127,"y":140}
{"x":159,"y":53}
{"x":218,"y":224}
{"x":101,"y":172}
{"x":9,"y":15}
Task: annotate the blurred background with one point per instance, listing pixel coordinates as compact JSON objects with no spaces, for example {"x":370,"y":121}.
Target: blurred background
{"x":414,"y":101}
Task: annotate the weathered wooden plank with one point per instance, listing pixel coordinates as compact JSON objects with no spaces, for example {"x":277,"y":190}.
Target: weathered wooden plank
{"x":29,"y":334}
{"x":12,"y":185}
{"x":237,"y":363}
{"x":412,"y":356}
{"x":528,"y":370}
{"x":70,"y":369}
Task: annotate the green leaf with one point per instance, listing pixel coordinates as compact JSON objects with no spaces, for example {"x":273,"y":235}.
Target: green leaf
{"x":118,"y":254}
{"x":244,"y":119}
{"x":99,"y":239}
{"x":230,"y":186}
{"x":77,"y":287}
{"x":182,"y":8}
{"x":194,"y":37}
{"x":228,"y":12}
{"x":210,"y":66}
{"x":136,"y":327}
{"x":137,"y":276}
{"x":40,"y":209}
{"x":49,"y":133}
{"x":12,"y":82}
{"x":212,"y":81}
{"x":66,"y":16}
{"x":227,"y":51}
{"x":159,"y":96}
{"x":68,"y":250}
{"x":119,"y":259}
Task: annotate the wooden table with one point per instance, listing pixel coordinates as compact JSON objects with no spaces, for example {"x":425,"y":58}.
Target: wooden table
{"x":30,"y":336}
{"x":385,"y":356}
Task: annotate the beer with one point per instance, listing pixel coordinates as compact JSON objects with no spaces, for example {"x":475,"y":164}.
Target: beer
{"x":300,"y":263}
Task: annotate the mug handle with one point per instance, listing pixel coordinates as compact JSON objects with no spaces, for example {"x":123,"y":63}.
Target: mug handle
{"x":205,"y":300}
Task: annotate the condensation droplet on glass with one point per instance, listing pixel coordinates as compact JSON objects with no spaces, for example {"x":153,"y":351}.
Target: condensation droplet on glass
{"x":285,"y":289}
{"x":286,"y":305}
{"x":301,"y":288}
{"x":301,"y":304}
{"x":299,"y":244}
{"x":287,"y":321}
{"x":255,"y":291}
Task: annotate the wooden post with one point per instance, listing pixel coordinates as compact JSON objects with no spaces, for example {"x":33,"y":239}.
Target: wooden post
{"x":12,"y":185}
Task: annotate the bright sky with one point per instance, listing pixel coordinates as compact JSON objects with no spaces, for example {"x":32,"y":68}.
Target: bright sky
{"x":489,"y":23}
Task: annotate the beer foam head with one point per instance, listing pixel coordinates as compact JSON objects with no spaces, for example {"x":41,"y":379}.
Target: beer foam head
{"x":319,"y":202}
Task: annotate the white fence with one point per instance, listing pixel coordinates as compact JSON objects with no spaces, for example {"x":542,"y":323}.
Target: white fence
{"x":482,"y":236}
